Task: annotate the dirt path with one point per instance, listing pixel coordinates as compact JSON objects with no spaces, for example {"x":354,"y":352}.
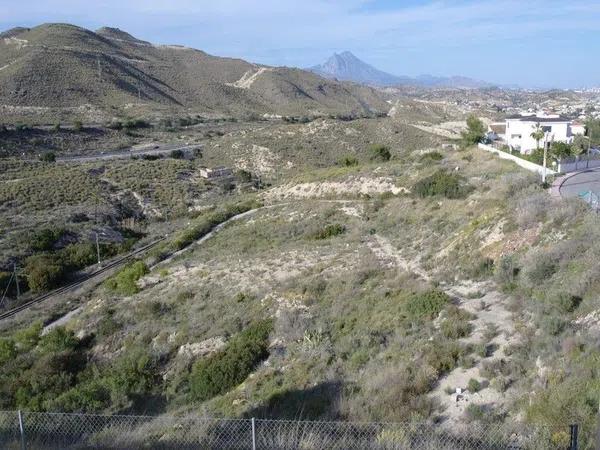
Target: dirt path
{"x":384,"y":250}
{"x":489,"y":308}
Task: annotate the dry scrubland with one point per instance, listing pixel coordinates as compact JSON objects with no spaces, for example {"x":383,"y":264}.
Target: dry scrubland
{"x":370,"y":292}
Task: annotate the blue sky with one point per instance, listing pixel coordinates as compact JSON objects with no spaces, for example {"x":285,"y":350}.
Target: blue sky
{"x":532,"y":43}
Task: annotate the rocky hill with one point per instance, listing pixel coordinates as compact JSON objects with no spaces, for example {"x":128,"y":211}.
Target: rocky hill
{"x":60,"y":65}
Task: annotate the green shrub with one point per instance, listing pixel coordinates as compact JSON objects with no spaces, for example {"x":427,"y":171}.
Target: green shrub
{"x":379,"y":152}
{"x":427,"y":305}
{"x":88,"y":397}
{"x":329,"y":231}
{"x":431,"y":156}
{"x":44,"y":272}
{"x":456,"y":325}
{"x":124,"y":282}
{"x":444,"y":184}
{"x":540,"y":269}
{"x":177,"y":154}
{"x":506,"y":272}
{"x":473,"y":385}
{"x":443,"y":355}
{"x":58,"y":339}
{"x":567,"y":303}
{"x":552,"y":325}
{"x":8,"y":350}
{"x":48,"y":157}
{"x":206,"y":223}
{"x":78,"y":125}
{"x":349,"y":161}
{"x":223,"y":371}
{"x":475,"y":412}
{"x":27,"y":338}
{"x":45,"y":239}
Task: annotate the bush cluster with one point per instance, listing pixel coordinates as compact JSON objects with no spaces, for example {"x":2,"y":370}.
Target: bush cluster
{"x":224,"y":370}
{"x":46,"y":271}
{"x":379,"y":152}
{"x":442,"y":183}
{"x":329,"y":231}
{"x":206,"y":223}
{"x":427,"y":305}
{"x":125,"y":282}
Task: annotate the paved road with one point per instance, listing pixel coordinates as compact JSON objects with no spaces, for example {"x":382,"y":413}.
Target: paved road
{"x":580,"y":183}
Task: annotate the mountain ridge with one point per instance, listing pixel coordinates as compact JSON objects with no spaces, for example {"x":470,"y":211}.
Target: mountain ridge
{"x":347,"y":67}
{"x":62,"y":65}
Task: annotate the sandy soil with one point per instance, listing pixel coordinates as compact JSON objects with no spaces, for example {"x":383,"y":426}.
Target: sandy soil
{"x":354,"y":186}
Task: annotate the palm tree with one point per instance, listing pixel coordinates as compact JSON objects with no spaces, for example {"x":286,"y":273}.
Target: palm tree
{"x":537,"y":134}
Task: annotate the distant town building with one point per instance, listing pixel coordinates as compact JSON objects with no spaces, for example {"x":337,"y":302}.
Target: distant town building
{"x":519,"y":129}
{"x":216,"y":172}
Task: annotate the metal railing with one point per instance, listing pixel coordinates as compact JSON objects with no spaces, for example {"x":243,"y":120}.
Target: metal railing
{"x":53,"y":431}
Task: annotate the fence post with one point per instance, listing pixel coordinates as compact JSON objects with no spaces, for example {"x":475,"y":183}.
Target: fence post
{"x":574,"y":434}
{"x":21,"y":430}
{"x":253,"y":435}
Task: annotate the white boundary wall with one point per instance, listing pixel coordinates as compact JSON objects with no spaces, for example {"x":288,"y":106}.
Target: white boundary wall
{"x":519,"y":161}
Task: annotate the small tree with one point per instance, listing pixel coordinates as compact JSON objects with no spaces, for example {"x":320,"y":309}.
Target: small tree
{"x":475,"y":131}
{"x":78,"y":125}
{"x":537,"y":134}
{"x":559,"y":150}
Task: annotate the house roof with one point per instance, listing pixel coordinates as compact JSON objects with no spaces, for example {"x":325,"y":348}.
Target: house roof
{"x":535,"y":119}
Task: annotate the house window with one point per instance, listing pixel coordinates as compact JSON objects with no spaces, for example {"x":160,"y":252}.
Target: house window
{"x":547,"y":129}
{"x":515,"y":136}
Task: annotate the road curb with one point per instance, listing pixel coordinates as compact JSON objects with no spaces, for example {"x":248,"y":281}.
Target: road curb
{"x":557,"y":183}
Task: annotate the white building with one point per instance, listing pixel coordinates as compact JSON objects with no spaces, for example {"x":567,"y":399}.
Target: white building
{"x":519,"y":130}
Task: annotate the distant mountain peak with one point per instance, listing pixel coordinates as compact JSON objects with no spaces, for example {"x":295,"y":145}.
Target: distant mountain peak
{"x":346,"y":66}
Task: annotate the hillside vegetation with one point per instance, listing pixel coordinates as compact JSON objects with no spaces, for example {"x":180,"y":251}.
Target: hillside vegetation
{"x":90,"y":73}
{"x":370,"y":292}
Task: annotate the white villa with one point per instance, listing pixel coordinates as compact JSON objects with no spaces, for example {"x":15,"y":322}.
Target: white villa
{"x":519,"y":128}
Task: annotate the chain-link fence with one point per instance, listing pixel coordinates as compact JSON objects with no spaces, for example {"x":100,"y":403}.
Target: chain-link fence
{"x":53,"y":431}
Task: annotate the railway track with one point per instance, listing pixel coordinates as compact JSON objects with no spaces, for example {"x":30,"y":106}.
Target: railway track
{"x":78,"y":282}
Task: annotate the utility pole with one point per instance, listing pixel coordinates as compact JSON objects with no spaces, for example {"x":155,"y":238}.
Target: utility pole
{"x":545,"y":156}
{"x":16,"y":280}
{"x":98,"y":249}
{"x":139,"y":94}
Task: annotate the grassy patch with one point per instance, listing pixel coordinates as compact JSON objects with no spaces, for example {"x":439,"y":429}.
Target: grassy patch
{"x":125,"y":282}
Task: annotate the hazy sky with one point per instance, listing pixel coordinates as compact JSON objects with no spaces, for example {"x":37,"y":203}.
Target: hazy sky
{"x":527,"y":42}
